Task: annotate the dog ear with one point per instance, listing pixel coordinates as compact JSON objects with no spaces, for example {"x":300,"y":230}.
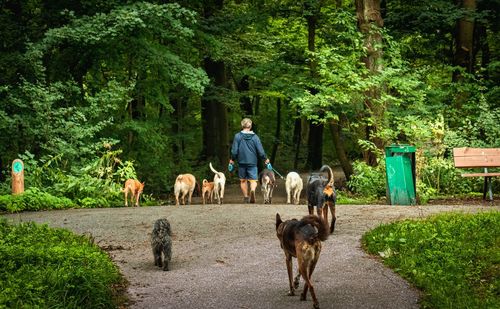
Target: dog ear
{"x":278,"y":220}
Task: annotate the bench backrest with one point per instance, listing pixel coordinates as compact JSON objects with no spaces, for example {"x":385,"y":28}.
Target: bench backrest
{"x":476,"y":157}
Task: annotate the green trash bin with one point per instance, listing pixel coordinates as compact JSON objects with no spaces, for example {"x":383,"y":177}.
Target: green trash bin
{"x":400,"y":175}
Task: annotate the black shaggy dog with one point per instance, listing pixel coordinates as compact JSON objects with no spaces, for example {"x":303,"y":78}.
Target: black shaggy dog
{"x":302,"y":239}
{"x":321,"y":193}
{"x":161,"y":241}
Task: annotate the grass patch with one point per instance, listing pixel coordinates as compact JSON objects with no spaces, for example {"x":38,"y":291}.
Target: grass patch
{"x":42,"y":267}
{"x":453,"y":258}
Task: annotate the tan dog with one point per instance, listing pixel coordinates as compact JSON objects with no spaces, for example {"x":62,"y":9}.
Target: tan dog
{"x":219,"y":184}
{"x":302,"y":239}
{"x":135,"y":187}
{"x":184,"y":185}
{"x":207,"y":189}
{"x":293,"y":187}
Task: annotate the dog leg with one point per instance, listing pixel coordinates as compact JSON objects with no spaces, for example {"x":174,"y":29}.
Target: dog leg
{"x":296,"y":281}
{"x":190,"y":195}
{"x":310,"y":209}
{"x":334,"y":217}
{"x":126,"y":196}
{"x":297,"y":197}
{"x":165,"y":264}
{"x":222,"y":185}
{"x":137,"y":199}
{"x":157,"y":256}
{"x":290,"y":274}
{"x":288,"y":195}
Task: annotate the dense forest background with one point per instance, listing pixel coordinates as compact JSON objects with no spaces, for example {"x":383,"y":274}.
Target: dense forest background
{"x":93,"y":92}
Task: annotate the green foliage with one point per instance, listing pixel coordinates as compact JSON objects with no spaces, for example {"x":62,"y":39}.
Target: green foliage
{"x":368,"y":181}
{"x":41,"y":267}
{"x":33,"y":199}
{"x":453,"y":258}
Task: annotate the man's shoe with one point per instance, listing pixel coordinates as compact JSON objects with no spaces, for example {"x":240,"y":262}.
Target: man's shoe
{"x":252,"y":197}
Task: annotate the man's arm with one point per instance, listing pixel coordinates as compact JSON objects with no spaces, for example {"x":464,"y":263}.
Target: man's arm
{"x":234,"y":148}
{"x":260,"y":150}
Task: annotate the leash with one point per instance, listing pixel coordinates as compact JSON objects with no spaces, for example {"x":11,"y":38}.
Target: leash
{"x":278,"y":173}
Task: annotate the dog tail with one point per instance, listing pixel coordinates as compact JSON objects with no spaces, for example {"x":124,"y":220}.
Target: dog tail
{"x":319,"y":223}
{"x":331,"y":181}
{"x":204,"y":182}
{"x":212,"y":168}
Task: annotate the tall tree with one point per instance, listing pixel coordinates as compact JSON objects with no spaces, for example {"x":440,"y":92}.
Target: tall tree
{"x":213,"y":110}
{"x":369,"y":23}
{"x":312,"y":11}
{"x":464,"y":39}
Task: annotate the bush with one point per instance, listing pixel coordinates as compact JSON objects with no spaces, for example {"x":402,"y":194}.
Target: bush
{"x":453,"y":258}
{"x":33,"y":199}
{"x":368,"y":181}
{"x":441,"y":175}
{"x":41,"y":267}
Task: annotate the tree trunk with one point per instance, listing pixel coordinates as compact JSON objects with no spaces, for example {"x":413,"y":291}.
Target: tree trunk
{"x":464,"y":40}
{"x":315,"y":139}
{"x":369,"y":21}
{"x":213,"y":111}
{"x":315,"y":147}
{"x":345,"y":163}
{"x":297,"y":138}
{"x":214,"y":115}
{"x":278,"y":132}
{"x":245,"y":101}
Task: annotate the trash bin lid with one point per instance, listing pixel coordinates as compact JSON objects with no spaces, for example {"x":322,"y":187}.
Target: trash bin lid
{"x":399,"y":148}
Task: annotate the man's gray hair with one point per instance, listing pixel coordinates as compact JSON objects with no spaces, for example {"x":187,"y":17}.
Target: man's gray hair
{"x":246,"y":123}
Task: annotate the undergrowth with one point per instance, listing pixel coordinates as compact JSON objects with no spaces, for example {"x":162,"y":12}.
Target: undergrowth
{"x":42,"y":267}
{"x":453,"y":258}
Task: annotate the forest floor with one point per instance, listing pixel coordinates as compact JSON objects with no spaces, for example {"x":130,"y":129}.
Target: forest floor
{"x":228,"y":256}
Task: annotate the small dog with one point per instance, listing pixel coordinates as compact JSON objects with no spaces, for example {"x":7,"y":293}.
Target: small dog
{"x":267,"y":183}
{"x":321,"y":193}
{"x":219,"y":184}
{"x":293,"y":186}
{"x":207,"y":190}
{"x":161,"y":242}
{"x":135,"y":187}
{"x":184,"y":185}
{"x":302,"y":240}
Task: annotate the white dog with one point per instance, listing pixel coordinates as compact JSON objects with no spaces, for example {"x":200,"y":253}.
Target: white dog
{"x":294,"y":186}
{"x":219,"y":184}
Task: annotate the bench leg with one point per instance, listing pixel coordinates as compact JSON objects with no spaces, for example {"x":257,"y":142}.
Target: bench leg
{"x":487,"y":188}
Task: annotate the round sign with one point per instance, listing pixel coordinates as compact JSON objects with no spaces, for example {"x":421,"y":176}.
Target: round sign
{"x":17,"y":167}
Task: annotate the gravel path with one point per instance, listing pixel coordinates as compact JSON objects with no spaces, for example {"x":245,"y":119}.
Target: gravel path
{"x":229,"y":257}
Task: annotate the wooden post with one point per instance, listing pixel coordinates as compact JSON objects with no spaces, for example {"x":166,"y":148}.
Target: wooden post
{"x":17,"y":176}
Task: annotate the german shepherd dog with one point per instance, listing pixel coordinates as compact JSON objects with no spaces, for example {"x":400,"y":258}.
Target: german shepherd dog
{"x":267,"y":182}
{"x":161,"y":242}
{"x":302,"y":240}
{"x":321,"y":193}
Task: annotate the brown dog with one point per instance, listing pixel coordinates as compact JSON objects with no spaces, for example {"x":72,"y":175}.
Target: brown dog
{"x":302,"y":240}
{"x":207,"y":189}
{"x":321,"y":193}
{"x":135,"y":187}
{"x":184,"y":185}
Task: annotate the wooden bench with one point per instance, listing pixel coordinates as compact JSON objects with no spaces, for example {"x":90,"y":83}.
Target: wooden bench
{"x":478,"y":158}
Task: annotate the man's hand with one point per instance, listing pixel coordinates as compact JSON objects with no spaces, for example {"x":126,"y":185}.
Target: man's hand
{"x":230,"y":167}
